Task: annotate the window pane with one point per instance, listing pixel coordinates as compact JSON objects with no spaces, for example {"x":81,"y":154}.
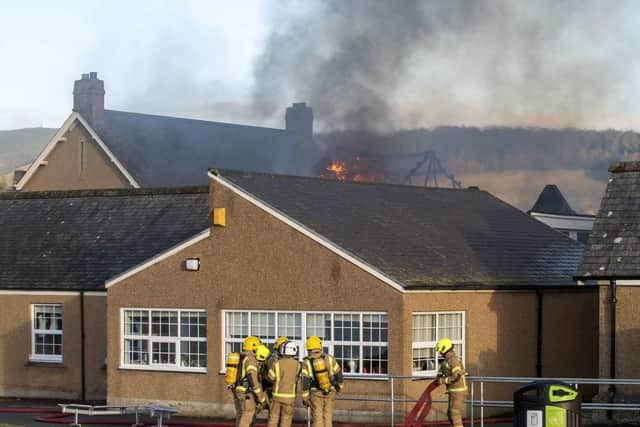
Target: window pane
{"x":450,"y":326}
{"x":374,"y":328}
{"x":193,"y":324}
{"x":263,"y":325}
{"x":424,"y":359}
{"x":48,"y":344}
{"x":164,"y":323}
{"x":290,"y":325}
{"x":347,"y":327}
{"x":374,"y":359}
{"x":136,"y":322}
{"x":424,"y":327}
{"x":47,"y":317}
{"x":230,"y":347}
{"x":163,"y":353}
{"x":193,"y":354}
{"x":348,"y":356}
{"x":136,"y":352}
{"x":319,"y":324}
{"x":236,"y":325}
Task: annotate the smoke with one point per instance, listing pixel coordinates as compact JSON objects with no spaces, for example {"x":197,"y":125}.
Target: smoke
{"x":400,"y":64}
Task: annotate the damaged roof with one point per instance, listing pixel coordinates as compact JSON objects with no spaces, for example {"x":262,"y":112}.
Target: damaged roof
{"x":423,"y":237}
{"x":75,"y":240}
{"x":161,"y":151}
{"x":613,"y":248}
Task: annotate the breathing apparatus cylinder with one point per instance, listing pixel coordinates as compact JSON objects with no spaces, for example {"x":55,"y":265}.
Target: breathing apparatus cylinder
{"x":233,"y":363}
{"x":321,"y":373}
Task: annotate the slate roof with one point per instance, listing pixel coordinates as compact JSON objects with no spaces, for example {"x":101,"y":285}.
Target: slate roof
{"x":75,"y":240}
{"x":613,"y":248}
{"x":423,"y":237}
{"x":163,"y":151}
{"x":551,"y":201}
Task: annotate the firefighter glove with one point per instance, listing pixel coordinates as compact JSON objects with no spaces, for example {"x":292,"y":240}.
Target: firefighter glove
{"x":305,"y":402}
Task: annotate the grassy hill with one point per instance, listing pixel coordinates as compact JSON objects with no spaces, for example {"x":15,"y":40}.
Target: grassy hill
{"x":21,"y":146}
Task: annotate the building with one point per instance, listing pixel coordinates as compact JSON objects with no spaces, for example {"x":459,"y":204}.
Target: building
{"x":101,"y":148}
{"x":553,"y":209}
{"x":57,"y":249}
{"x":611,"y":260}
{"x":380,"y":272}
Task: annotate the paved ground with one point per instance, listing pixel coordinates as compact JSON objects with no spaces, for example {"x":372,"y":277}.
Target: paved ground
{"x":28,"y":420}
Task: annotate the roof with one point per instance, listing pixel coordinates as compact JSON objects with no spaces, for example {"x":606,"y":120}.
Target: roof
{"x":613,"y":248}
{"x":551,"y":201}
{"x":424,"y":238}
{"x":75,"y":240}
{"x":163,"y":151}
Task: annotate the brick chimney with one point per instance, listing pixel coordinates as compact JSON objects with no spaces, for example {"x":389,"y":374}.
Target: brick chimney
{"x":299,"y":122}
{"x":88,"y":99}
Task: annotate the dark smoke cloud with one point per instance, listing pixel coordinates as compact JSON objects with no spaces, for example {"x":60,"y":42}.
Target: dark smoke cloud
{"x":398,"y":64}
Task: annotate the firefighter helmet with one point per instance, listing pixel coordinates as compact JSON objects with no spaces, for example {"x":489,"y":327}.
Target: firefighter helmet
{"x":444,"y":345}
{"x":279,"y":342}
{"x":314,"y":343}
{"x":262,"y":353}
{"x":251,"y":343}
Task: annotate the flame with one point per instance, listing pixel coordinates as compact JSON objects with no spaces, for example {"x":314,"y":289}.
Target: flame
{"x":339,"y":169}
{"x":353,"y":169}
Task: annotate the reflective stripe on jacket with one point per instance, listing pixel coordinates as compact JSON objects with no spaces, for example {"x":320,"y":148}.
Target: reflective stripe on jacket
{"x":248,"y":378}
{"x":453,"y":373}
{"x":284,"y":374}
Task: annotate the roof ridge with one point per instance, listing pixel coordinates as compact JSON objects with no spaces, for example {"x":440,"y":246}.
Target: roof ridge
{"x":223,"y":171}
{"x":112,"y":192}
{"x":158,"y":116}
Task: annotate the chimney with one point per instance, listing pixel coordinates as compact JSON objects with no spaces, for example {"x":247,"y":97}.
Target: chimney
{"x":299,"y":122}
{"x":88,"y":99}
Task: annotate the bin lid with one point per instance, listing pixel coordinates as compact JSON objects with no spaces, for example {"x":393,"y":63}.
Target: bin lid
{"x":561,"y":393}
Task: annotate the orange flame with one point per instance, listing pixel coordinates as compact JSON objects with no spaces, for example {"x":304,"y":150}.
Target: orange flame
{"x":339,"y":169}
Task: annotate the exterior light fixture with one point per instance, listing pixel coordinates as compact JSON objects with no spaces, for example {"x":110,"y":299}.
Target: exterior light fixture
{"x":192,"y":264}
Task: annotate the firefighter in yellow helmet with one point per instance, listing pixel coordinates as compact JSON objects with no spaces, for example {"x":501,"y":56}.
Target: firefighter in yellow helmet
{"x":249,"y":398}
{"x":284,"y":375}
{"x":451,"y":374}
{"x":321,"y":380}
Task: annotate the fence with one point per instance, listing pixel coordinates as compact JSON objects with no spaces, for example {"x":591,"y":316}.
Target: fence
{"x":477,"y":386}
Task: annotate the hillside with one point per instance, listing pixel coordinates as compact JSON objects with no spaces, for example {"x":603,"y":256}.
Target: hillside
{"x":21,"y":146}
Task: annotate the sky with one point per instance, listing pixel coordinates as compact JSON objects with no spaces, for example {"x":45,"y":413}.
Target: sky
{"x":373,"y":64}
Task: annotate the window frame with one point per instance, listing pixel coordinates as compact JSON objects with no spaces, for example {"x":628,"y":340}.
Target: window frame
{"x":47,"y":358}
{"x":151,"y":339}
{"x":328,"y":344}
{"x":432,"y":344}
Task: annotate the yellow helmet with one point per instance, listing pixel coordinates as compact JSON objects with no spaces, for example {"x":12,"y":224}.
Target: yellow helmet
{"x":279,"y":342}
{"x":314,"y":343}
{"x":444,"y":345}
{"x":262,"y":353}
{"x":251,"y":343}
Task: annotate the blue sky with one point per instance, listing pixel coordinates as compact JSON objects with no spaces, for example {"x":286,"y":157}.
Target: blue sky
{"x":376,"y":64}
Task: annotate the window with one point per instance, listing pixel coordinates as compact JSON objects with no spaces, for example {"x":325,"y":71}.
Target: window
{"x":359,"y":341}
{"x":46,"y":336}
{"x":427,"y":329}
{"x":164,"y":339}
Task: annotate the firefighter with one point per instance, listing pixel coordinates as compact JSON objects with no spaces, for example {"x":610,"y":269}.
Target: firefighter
{"x":284,"y":374}
{"x":275,"y":355}
{"x":321,"y":380}
{"x":249,"y":398}
{"x":452,"y":374}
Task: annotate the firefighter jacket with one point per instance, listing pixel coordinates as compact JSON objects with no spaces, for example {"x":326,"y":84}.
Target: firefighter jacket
{"x":248,"y":378}
{"x":453,"y":373}
{"x":284,"y":374}
{"x":309,"y":380}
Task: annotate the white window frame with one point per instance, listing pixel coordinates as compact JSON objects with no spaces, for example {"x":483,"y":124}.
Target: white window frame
{"x":50,"y":358}
{"x":327,"y":344}
{"x":169,"y":367}
{"x":432,"y":344}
